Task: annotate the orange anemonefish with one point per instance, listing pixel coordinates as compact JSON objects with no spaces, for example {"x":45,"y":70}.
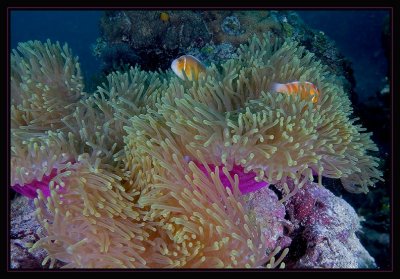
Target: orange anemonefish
{"x":188,"y":64}
{"x":305,"y":89}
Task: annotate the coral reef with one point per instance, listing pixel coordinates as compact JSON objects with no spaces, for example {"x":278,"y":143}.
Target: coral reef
{"x":153,"y":171}
{"x":236,"y":27}
{"x":117,"y":56}
{"x":231,"y":26}
{"x":207,"y":33}
{"x":155,"y":36}
{"x":214,"y":54}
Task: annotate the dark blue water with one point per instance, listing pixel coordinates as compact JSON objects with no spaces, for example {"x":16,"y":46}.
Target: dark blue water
{"x":358,"y":35}
{"x":77,"y":28}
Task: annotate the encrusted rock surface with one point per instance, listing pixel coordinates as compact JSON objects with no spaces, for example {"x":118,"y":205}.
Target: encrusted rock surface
{"x":24,"y":230}
{"x":325,"y":227}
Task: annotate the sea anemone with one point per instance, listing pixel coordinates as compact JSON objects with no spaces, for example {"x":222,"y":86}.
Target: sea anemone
{"x":45,"y":85}
{"x":153,"y":171}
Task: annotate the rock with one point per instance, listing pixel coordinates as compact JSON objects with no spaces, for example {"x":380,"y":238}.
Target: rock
{"x":24,"y":229}
{"x":327,"y":226}
{"x":266,"y":210}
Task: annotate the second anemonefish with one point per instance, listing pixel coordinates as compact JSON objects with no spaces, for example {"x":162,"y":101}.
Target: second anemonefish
{"x":304,"y":89}
{"x":188,"y":64}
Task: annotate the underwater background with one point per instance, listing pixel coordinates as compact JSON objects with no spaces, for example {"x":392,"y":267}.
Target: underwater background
{"x":355,"y":43}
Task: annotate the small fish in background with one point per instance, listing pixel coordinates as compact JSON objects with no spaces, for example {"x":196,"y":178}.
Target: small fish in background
{"x":164,"y":17}
{"x":190,"y":65}
{"x":305,"y":89}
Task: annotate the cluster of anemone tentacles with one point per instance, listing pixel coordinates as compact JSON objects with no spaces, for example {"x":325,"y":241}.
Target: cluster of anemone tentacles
{"x":144,"y":171}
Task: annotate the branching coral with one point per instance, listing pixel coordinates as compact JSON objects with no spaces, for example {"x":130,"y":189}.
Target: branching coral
{"x":150,"y":169}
